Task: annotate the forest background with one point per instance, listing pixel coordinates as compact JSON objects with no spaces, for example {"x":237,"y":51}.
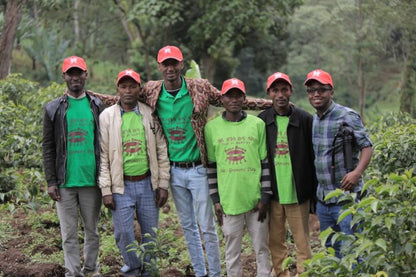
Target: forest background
{"x":367,"y":45}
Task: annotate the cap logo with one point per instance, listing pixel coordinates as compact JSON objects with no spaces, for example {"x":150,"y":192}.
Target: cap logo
{"x":167,"y":50}
{"x":129,"y":72}
{"x":74,"y":60}
{"x":277,"y":75}
{"x":234,"y":82}
{"x":316,"y":73}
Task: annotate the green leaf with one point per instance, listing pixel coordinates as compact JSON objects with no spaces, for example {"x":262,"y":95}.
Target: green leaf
{"x":343,"y":215}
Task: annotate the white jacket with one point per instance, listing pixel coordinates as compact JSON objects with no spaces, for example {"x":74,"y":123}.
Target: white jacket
{"x":111,"y":168}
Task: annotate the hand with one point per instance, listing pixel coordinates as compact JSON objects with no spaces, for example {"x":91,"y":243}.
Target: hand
{"x":161,"y":197}
{"x":219,"y":213}
{"x":262,"y":209}
{"x":109,"y":202}
{"x":350,"y":180}
{"x":53,"y":192}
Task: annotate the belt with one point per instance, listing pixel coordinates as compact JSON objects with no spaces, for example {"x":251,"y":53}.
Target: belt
{"x":185,"y":164}
{"x":341,"y":203}
{"x":136,"y":178}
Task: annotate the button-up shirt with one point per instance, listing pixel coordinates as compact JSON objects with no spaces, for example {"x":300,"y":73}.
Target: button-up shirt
{"x":325,"y":128}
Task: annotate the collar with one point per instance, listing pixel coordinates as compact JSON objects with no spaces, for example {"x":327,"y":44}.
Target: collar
{"x":73,"y":97}
{"x":135,"y":109}
{"x":330,"y":109}
{"x":243,"y":116}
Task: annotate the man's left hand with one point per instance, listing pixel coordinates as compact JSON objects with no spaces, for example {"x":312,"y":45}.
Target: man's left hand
{"x":161,"y":197}
{"x":350,"y":180}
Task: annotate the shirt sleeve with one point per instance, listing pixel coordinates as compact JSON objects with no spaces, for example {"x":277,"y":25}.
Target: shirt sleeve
{"x":360,"y":133}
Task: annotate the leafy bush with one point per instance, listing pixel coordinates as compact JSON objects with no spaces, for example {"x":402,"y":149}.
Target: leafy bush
{"x":394,"y":137}
{"x":386,"y":246}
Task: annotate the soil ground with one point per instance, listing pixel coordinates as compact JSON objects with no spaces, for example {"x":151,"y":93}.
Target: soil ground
{"x":15,"y":263}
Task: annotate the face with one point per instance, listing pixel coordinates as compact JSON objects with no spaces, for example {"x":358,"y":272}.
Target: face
{"x":171,"y":69}
{"x":319,"y":95}
{"x":128,"y":90}
{"x":233,"y":100}
{"x":75,"y":80}
{"x":280,"y":92}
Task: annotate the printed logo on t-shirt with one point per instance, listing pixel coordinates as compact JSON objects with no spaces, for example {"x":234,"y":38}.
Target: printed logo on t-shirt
{"x":235,"y":155}
{"x":77,"y":136}
{"x":132,"y":146}
{"x":282,"y":148}
{"x":176,"y":135}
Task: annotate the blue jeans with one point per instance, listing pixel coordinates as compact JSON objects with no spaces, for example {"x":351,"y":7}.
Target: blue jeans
{"x":190,"y":193}
{"x":138,"y":198}
{"x":328,"y":217}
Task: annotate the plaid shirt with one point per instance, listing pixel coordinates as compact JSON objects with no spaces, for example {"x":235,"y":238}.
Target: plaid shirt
{"x":324,"y":130}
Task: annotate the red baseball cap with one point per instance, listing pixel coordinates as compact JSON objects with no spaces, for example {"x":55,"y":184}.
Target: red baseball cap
{"x":321,"y":76}
{"x":232,"y":83}
{"x":169,"y":52}
{"x":129,"y":73}
{"x":278,"y":76}
{"x":73,"y":61}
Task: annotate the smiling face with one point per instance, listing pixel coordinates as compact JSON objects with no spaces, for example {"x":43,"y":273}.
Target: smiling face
{"x":233,"y":100}
{"x":128,"y":90}
{"x":280,"y":92}
{"x":319,"y":95}
{"x":75,"y":80}
{"x":171,"y":70}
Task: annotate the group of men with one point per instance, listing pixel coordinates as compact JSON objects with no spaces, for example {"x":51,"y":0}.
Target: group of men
{"x":247,"y":171}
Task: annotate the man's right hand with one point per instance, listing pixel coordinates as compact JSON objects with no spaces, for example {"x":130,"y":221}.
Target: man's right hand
{"x":109,"y":202}
{"x":219,"y":213}
{"x":53,"y":192}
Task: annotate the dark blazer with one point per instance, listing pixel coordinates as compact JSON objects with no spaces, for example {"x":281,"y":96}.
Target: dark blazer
{"x":299,"y":134}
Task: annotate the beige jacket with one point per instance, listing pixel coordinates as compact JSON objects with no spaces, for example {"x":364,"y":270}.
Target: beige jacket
{"x":111,"y":169}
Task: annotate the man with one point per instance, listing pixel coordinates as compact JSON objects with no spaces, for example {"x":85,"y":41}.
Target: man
{"x":292,"y":170}
{"x":334,"y":169}
{"x":237,"y":155}
{"x":134,"y":172}
{"x":71,"y":156}
{"x":182,"y":106}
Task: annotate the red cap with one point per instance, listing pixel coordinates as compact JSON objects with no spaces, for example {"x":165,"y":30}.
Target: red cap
{"x":321,"y":76}
{"x":277,"y":76}
{"x":129,"y":73}
{"x":232,"y":83}
{"x":73,"y":61}
{"x":169,"y":52}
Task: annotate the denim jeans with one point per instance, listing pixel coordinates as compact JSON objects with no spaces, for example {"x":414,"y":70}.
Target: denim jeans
{"x":84,"y":201}
{"x":190,"y":193}
{"x":328,"y":217}
{"x":138,"y":198}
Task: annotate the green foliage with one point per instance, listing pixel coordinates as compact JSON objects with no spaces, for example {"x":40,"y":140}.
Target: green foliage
{"x":386,"y":244}
{"x":193,"y":71}
{"x":394,"y":137}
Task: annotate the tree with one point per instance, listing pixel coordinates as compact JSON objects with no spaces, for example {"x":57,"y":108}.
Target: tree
{"x":12,"y":18}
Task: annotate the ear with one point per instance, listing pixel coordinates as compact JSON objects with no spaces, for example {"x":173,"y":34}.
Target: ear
{"x":181,"y":65}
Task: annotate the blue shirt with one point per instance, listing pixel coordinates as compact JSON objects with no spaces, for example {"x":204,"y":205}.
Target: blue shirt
{"x":323,"y":133}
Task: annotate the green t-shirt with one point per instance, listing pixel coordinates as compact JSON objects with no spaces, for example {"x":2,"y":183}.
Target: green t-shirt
{"x":80,"y":162}
{"x":283,"y":165}
{"x":175,"y":115}
{"x":237,"y":148}
{"x":133,"y":136}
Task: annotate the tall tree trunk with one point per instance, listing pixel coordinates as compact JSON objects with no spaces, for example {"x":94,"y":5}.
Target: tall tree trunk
{"x":11,"y":22}
{"x":407,"y":98}
{"x":76,"y":21}
{"x":207,"y":68}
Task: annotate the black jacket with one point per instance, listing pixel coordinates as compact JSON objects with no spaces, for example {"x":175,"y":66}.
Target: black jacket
{"x":299,"y":134}
{"x":55,"y":133}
